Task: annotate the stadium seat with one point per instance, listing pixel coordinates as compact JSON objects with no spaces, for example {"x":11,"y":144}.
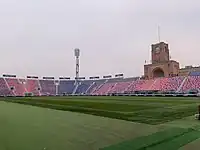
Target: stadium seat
{"x":84,"y":86}
{"x":167,"y":84}
{"x":97,"y":84}
{"x":140,"y":85}
{"x":32,"y":86}
{"x":105,"y":89}
{"x":192,"y":82}
{"x":48,"y":87}
{"x":17,"y":85}
{"x":120,"y":87}
{"x":4,"y":88}
{"x":66,"y":86}
{"x":194,"y":73}
{"x":115,"y":86}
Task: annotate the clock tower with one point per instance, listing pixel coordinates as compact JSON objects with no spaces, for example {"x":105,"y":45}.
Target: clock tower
{"x":161,"y":65}
{"x":160,"y":52}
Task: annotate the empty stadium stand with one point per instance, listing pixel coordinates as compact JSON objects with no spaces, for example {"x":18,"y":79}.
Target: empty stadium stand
{"x":143,"y":85}
{"x":120,"y":87}
{"x":83,"y":87}
{"x":33,"y":86}
{"x":4,"y":88}
{"x":117,"y":85}
{"x":96,"y":86}
{"x":105,"y":88}
{"x":194,"y":73}
{"x":66,"y":86}
{"x":191,"y":83}
{"x":167,"y":84}
{"x":48,"y":87}
{"x":18,"y":87}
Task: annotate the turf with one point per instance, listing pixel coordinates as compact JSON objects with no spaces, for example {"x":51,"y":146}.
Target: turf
{"x":169,"y":139}
{"x":63,"y":123}
{"x":192,"y":146}
{"x":32,"y":128}
{"x":178,"y":142}
{"x":150,"y":140}
{"x":148,"y":110}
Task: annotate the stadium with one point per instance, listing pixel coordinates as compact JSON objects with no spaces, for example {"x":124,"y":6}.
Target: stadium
{"x":154,"y":111}
{"x":162,"y":77}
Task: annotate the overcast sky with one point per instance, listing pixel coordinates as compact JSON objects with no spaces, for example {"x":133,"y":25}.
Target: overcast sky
{"x":37,"y":37}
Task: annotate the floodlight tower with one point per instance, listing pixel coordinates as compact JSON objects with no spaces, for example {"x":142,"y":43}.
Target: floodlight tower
{"x":77,"y":55}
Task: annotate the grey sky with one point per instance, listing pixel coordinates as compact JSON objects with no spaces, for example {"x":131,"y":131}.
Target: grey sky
{"x":37,"y":37}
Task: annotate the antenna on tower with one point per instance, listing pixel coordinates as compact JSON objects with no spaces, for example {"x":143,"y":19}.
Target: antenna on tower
{"x":159,"y":34}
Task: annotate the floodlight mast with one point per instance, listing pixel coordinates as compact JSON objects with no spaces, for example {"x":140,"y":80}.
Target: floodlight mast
{"x":77,"y":55}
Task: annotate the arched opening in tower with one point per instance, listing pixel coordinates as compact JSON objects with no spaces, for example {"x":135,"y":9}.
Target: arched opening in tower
{"x":158,"y":72}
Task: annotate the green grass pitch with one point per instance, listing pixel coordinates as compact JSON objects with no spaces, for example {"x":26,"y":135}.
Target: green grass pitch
{"x":93,"y":123}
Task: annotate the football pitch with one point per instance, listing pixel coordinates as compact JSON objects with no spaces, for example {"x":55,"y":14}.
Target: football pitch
{"x":99,"y":123}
